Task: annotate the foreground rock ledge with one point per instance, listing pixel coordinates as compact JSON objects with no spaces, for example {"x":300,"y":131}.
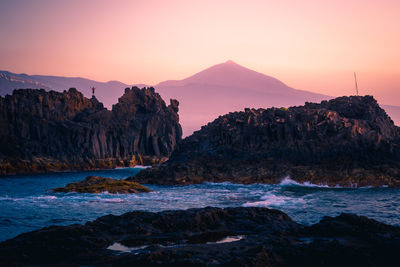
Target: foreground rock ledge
{"x":96,"y":184}
{"x":259,"y":237}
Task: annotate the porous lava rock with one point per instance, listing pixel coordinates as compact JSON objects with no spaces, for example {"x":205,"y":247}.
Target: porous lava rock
{"x":347,"y":141}
{"x":44,"y":131}
{"x":96,"y":184}
{"x":208,"y":236}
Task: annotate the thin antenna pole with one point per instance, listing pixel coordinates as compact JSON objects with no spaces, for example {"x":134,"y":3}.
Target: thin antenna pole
{"x":355,"y":80}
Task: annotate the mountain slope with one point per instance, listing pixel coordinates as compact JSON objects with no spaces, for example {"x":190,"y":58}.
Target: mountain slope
{"x":229,"y":87}
{"x":393,"y":112}
{"x":230,"y":74}
{"x":10,"y":81}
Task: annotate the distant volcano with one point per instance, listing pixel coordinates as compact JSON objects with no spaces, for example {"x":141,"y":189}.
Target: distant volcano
{"x":203,"y":96}
{"x":230,"y":74}
{"x":229,"y":87}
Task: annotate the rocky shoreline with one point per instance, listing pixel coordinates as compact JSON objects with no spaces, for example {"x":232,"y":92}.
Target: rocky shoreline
{"x":51,"y":131}
{"x":347,"y":141}
{"x":208,"y":236}
{"x":49,"y":165}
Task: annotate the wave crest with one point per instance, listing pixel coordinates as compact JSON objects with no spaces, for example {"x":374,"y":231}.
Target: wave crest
{"x":289,"y":182}
{"x":271,"y":200}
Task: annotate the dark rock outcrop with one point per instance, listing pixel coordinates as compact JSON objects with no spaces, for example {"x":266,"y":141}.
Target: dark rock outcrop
{"x":347,"y":141}
{"x":48,"y":131}
{"x":96,"y":184}
{"x":208,"y":236}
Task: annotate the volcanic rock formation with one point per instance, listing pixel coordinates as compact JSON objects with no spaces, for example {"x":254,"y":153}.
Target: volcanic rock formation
{"x":48,"y":131}
{"x":347,"y":141}
{"x":97,"y":184}
{"x":208,"y":236}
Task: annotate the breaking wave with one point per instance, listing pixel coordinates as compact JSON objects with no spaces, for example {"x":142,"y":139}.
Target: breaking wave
{"x":272,"y":200}
{"x":27,"y":204}
{"x":289,"y":182}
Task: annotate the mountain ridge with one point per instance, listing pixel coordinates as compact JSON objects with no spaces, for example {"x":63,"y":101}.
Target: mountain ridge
{"x":107,"y":92}
{"x":212,"y":76}
{"x":228,"y":87}
{"x":203,"y":96}
{"x":229,"y":65}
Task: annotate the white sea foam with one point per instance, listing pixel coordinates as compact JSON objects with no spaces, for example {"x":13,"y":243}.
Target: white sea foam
{"x":220,"y":183}
{"x":15,"y":199}
{"x":256,"y":204}
{"x":289,"y":182}
{"x":112,"y":200}
{"x":46,"y":197}
{"x":271,"y":200}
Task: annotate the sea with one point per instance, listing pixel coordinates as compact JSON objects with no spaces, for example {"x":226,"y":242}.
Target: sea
{"x":27,"y":202}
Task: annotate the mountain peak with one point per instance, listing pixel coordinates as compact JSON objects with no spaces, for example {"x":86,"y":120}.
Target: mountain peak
{"x":231,"y":62}
{"x":229,"y":74}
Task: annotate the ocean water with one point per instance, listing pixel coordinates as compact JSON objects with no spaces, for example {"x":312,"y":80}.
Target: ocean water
{"x":26,"y":203}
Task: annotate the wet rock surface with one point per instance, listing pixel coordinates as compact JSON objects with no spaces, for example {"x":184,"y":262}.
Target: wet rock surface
{"x":347,"y":141}
{"x":50,"y":131}
{"x":209,"y":236}
{"x":96,"y":184}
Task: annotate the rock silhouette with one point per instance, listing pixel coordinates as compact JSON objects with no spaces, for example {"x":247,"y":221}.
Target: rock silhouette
{"x":49,"y":131}
{"x":347,"y":141}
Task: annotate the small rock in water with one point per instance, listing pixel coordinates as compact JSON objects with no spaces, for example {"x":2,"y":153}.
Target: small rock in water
{"x":96,"y":184}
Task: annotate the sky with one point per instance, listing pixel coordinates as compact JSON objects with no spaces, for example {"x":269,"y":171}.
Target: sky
{"x":313,"y":45}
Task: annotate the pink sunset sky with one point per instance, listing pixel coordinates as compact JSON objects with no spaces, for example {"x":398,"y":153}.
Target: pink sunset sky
{"x":309,"y":45}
